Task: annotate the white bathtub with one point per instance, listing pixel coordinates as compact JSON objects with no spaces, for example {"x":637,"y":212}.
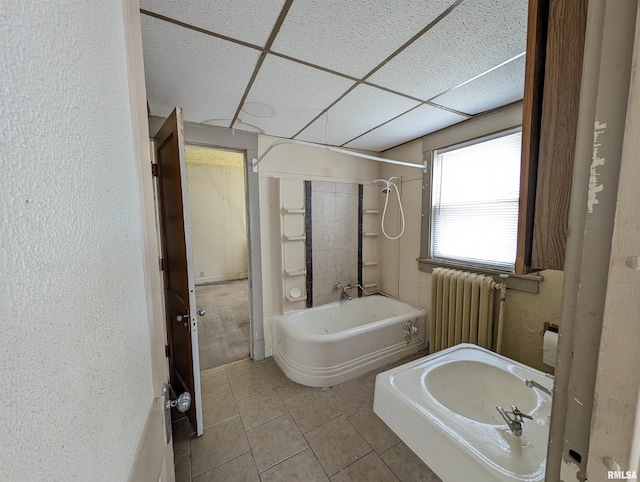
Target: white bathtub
{"x":443,"y":406}
{"x":330,"y":344}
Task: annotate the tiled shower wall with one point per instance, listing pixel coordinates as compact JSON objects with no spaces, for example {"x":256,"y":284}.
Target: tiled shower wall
{"x":334,"y":243}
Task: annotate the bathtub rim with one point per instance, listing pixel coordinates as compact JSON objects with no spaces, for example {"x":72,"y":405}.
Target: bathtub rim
{"x":289,"y":324}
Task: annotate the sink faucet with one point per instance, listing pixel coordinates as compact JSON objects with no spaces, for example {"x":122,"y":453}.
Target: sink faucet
{"x":515,"y":423}
{"x":532,"y":384}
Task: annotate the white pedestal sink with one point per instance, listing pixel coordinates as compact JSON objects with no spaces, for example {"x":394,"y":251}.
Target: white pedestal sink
{"x":443,"y":407}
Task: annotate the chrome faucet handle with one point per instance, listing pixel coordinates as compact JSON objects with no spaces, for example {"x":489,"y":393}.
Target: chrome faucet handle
{"x":519,"y":415}
{"x":515,"y":423}
{"x":337,"y":286}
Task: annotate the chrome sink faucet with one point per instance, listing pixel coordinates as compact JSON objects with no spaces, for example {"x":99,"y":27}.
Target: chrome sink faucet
{"x":515,"y":423}
{"x":533,"y":384}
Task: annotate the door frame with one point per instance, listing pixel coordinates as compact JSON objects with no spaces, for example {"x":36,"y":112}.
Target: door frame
{"x":247,"y":143}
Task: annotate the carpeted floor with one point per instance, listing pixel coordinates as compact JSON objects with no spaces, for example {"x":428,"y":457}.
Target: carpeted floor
{"x":224,"y":329}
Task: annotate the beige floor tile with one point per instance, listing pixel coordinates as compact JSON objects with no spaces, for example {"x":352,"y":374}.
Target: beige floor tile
{"x":243,"y":367}
{"x":380,"y":437}
{"x":303,"y":467}
{"x":260,"y":408}
{"x":350,"y":397}
{"x":312,"y":409}
{"x":368,"y":469}
{"x":406,"y":465}
{"x":275,"y":441}
{"x":218,"y":409}
{"x":240,"y":469}
{"x":286,"y":388}
{"x":214,"y":383}
{"x":183,"y":469}
{"x":220,"y":443}
{"x":253,"y":382}
{"x":337,"y":444}
{"x":270,"y":366}
{"x":181,"y":435}
{"x":368,"y":380}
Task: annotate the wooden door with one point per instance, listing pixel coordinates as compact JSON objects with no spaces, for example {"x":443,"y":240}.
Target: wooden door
{"x":179,"y":288}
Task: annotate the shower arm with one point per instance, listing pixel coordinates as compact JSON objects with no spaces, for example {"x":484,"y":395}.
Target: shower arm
{"x":255,"y":162}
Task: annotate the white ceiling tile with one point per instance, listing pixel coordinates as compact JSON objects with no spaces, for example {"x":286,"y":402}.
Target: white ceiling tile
{"x":204,"y":75}
{"x":296,"y":92}
{"x":362,"y":109}
{"x":248,"y":20}
{"x":489,"y":91}
{"x":353,"y":36}
{"x":473,"y":38}
{"x":414,"y":124}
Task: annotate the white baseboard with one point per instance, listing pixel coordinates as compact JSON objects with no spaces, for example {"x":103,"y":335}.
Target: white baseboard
{"x":221,"y":277}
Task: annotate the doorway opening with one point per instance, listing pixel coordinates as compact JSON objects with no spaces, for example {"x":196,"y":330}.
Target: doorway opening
{"x":217,"y":205}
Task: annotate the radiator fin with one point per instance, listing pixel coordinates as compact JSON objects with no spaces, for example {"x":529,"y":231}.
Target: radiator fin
{"x":462,"y":305}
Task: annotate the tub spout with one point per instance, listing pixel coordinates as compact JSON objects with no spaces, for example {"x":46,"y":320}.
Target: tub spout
{"x":515,"y":423}
{"x":345,"y":295}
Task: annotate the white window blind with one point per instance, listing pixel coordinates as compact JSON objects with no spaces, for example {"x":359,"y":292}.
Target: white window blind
{"x":474,"y":212}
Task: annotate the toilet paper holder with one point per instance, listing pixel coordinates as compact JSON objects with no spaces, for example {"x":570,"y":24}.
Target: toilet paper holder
{"x":550,"y":327}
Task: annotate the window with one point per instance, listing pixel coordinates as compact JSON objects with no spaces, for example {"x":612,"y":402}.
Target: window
{"x":474,"y":202}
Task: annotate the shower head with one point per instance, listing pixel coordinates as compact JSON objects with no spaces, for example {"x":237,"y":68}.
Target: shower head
{"x":383,"y":182}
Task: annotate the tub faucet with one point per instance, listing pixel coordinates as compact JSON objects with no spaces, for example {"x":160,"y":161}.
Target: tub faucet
{"x":533,"y":384}
{"x":515,"y":423}
{"x":345,"y":295}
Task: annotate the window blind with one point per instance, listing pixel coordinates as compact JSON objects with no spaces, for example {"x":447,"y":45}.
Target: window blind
{"x":474,"y":212}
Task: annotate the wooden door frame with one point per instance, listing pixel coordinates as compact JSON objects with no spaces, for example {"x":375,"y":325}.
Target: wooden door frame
{"x":246,"y":142}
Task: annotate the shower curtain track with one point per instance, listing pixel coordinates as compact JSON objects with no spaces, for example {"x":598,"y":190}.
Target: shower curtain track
{"x":255,"y":162}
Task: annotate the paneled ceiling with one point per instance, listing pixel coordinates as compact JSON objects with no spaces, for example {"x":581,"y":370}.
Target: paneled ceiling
{"x":367,"y":74}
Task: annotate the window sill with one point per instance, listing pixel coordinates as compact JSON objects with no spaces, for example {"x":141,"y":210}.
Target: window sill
{"x":528,"y":283}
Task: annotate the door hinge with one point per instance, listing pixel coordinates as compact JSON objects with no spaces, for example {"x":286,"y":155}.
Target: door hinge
{"x":167,"y":351}
{"x":161,"y":264}
{"x":154,"y":169}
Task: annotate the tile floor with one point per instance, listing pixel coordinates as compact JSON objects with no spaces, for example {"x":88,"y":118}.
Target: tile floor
{"x":260,"y":426}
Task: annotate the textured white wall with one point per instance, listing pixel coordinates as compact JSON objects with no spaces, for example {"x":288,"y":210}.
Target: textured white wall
{"x":218,"y":226}
{"x":75,"y":360}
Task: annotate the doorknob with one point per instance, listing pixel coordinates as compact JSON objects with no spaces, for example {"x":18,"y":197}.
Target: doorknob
{"x":181,"y":318}
{"x":201,"y":312}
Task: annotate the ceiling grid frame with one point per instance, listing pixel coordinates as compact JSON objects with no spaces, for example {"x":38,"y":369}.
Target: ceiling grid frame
{"x":267,"y":50}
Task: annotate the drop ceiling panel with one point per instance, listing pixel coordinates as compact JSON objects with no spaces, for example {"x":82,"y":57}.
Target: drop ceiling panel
{"x":296,"y":92}
{"x":247,"y":20}
{"x":353,"y":36}
{"x":475,"y":37}
{"x":204,"y":75}
{"x":493,"y":89}
{"x":362,"y":109}
{"x":418,"y":122}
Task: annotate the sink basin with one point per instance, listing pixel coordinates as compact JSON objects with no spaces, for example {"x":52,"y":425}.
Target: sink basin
{"x":443,"y":407}
{"x":452,"y":383}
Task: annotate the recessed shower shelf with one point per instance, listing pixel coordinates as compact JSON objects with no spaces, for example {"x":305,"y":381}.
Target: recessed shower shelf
{"x":299,"y":298}
{"x":371,"y":211}
{"x":294,"y":238}
{"x":370,"y":285}
{"x":293,"y":211}
{"x":371,"y":234}
{"x":299,"y":272}
{"x":370,"y":263}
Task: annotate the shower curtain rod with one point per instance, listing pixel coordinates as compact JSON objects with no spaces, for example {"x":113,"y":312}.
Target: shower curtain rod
{"x":255,"y":162}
